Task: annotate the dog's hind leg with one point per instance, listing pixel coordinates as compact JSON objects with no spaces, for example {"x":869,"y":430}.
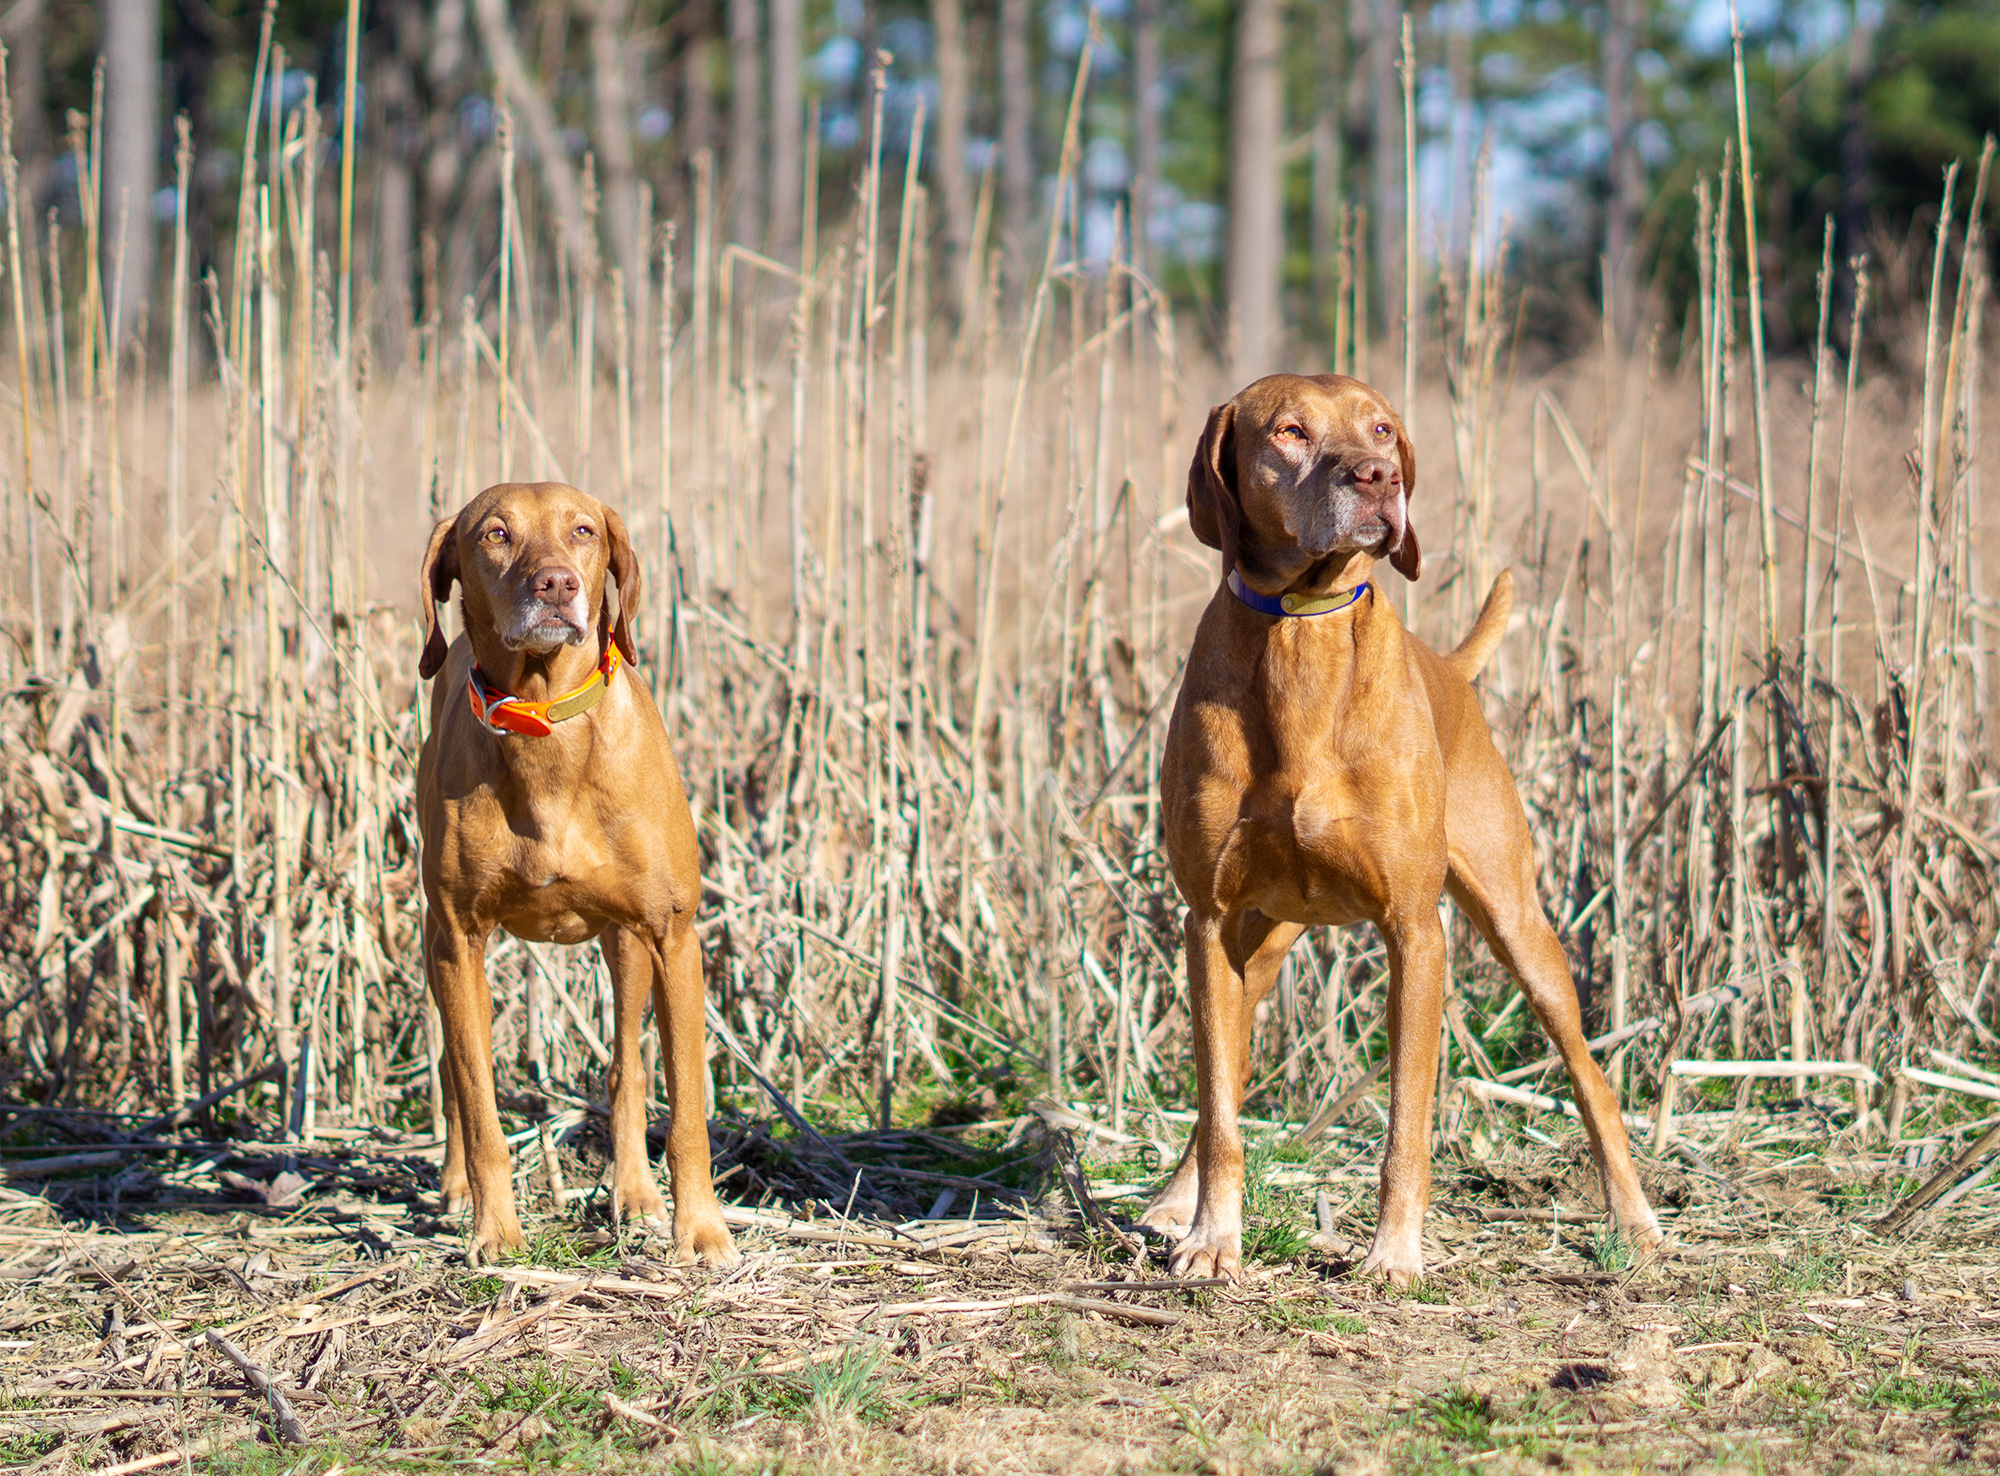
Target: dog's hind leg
{"x":1416,"y":1005}
{"x":679,"y":1000}
{"x":635,"y":1192}
{"x":1231,"y":967}
{"x":1493,"y":881}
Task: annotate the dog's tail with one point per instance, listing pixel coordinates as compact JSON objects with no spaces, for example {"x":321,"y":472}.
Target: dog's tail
{"x":1470,"y":655}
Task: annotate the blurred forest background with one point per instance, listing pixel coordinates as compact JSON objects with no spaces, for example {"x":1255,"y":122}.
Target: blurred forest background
{"x":1591,"y":120}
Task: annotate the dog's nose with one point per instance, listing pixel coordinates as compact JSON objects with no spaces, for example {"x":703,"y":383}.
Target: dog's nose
{"x":1377,"y":475}
{"x":555,"y":586}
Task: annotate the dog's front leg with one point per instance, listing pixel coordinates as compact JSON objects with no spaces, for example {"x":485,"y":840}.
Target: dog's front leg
{"x":476,"y":1157}
{"x":1213,"y":1245}
{"x":1416,"y":1004}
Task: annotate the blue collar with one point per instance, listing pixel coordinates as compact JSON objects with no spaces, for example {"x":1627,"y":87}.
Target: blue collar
{"x":1293,"y":604}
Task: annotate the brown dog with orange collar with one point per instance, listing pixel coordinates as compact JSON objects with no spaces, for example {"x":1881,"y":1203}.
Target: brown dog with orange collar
{"x":1325,"y":766}
{"x":550,"y":805}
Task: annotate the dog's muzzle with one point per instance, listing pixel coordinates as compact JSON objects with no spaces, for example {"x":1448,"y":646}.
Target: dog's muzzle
{"x":550,"y":612}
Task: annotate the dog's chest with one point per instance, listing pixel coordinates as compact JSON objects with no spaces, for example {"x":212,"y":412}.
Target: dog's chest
{"x":1345,"y":789}
{"x":560,"y":873}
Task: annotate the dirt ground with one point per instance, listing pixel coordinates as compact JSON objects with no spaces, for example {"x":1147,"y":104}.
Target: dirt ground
{"x":1021,"y":1334}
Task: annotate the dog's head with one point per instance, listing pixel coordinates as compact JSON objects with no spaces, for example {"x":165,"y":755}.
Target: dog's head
{"x":538,"y":562}
{"x":1298,"y":468}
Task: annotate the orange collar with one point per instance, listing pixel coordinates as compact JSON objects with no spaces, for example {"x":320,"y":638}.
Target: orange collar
{"x":502,"y":712}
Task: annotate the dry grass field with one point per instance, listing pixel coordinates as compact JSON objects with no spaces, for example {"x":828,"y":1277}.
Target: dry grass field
{"x":918,"y":587}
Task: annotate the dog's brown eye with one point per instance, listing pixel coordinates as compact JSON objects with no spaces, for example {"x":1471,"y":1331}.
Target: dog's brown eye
{"x":584,"y":530}
{"x":496,"y":535}
{"x":1293,"y":431}
{"x":1382,"y":429}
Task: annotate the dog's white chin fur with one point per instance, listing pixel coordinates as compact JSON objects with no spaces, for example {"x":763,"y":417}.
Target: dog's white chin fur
{"x":545,"y":636}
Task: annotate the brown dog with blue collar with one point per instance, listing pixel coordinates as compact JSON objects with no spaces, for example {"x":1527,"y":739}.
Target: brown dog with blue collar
{"x":550,"y":805}
{"x":1325,"y":766}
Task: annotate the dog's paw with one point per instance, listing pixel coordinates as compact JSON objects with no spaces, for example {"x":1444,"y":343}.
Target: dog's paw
{"x":492,"y":1238}
{"x":1169,"y":1214}
{"x":637,"y":1198}
{"x":1643,"y":1235}
{"x":1402,"y":1269}
{"x":703,"y":1240}
{"x":1204,"y":1253}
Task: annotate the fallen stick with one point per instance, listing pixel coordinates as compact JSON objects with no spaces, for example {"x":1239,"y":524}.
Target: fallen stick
{"x":1942,"y":1180}
{"x":1951,"y":1083}
{"x":791,"y":1229}
{"x":1493,"y":1214}
{"x":188,"y":1111}
{"x":214,"y":1442}
{"x":1774,"y":1069}
{"x":289,"y":1429}
{"x":42,"y":1168}
{"x":1603,"y":1042}
{"x":1150,"y":1316}
{"x":1494,"y":1092}
{"x":1963,"y":1068}
{"x":1332,"y":1112}
{"x":1153,"y":1316}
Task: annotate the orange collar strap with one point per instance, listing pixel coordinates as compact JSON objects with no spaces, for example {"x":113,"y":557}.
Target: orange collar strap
{"x":502,"y":712}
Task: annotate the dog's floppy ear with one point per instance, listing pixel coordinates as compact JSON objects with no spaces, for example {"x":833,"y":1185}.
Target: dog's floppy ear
{"x":624,"y":568}
{"x":1214,"y":514}
{"x":434,"y":583}
{"x":1407,"y":557}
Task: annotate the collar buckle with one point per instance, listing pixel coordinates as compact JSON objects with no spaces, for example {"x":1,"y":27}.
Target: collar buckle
{"x":502,"y":714}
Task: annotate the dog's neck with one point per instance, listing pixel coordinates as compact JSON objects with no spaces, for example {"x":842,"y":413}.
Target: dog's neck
{"x":536,"y":676}
{"x":1335,"y":574}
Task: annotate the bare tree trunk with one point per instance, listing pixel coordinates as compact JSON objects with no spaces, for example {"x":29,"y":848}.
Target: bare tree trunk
{"x":443,"y":159}
{"x":746,"y":153}
{"x":612,"y":133}
{"x":395,"y":89}
{"x":1256,"y":201}
{"x":697,"y":125}
{"x":1017,"y":147}
{"x":532,"y":104}
{"x":1625,"y":189}
{"x":787,"y":124}
{"x":954,"y":89}
{"x":1462,"y":17}
{"x":1328,"y":145}
{"x":23,"y":28}
{"x":1385,"y":165}
{"x":131,"y":150}
{"x":1146,"y":125}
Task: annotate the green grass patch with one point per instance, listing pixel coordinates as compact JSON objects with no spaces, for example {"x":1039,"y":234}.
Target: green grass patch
{"x":852,"y":1384}
{"x":1309,"y":1314}
{"x":1295,"y":1314}
{"x":556,"y":1248}
{"x":1806,"y":1271}
{"x":479,"y":1290}
{"x":1275,"y":1242}
{"x":1462,"y":1415}
{"x":1969,"y":1401}
{"x":1609,"y":1248}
